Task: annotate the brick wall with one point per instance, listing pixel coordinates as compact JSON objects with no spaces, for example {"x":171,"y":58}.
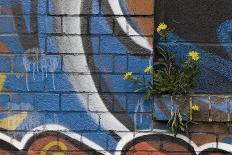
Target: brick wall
{"x":61,"y":76}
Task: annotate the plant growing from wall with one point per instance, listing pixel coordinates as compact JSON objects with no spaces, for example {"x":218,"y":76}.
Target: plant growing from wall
{"x":169,"y":78}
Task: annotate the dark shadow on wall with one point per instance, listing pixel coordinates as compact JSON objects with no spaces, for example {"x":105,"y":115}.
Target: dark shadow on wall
{"x":7,"y":148}
{"x":214,"y":152}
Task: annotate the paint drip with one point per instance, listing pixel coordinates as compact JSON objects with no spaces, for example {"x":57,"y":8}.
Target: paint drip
{"x":36,"y":61}
{"x":139,"y":110}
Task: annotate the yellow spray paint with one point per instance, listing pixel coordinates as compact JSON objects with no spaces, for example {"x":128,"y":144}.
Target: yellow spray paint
{"x":2,"y":80}
{"x":60,"y":144}
{"x":13,"y":121}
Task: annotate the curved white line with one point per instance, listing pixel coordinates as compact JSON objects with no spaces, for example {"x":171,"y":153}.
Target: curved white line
{"x":51,"y":127}
{"x":127,"y":28}
{"x":122,"y":143}
{"x":131,"y":136}
{"x":86,"y":82}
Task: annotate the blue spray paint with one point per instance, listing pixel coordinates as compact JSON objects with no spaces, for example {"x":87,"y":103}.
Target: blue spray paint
{"x":224,"y":36}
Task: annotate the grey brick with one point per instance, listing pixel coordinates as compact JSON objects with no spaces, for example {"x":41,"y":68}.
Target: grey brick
{"x":78,"y":83}
{"x":64,"y":7}
{"x":84,"y":83}
{"x":71,"y":25}
{"x":80,"y":66}
{"x":66,"y":44}
{"x":72,"y":7}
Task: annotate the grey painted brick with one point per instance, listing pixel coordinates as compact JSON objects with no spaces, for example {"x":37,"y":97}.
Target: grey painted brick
{"x":66,"y":44}
{"x":85,"y":80}
{"x":81,"y":83}
{"x":72,"y":44}
{"x":64,"y":6}
{"x":71,"y":25}
{"x":79,"y":66}
{"x":72,"y":7}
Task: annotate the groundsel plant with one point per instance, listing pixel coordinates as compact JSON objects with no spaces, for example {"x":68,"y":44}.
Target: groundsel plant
{"x":169,"y":78}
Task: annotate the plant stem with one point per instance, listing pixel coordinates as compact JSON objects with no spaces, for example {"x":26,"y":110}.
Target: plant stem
{"x":153,"y":110}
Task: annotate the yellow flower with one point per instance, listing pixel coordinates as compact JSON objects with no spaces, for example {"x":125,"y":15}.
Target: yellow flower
{"x":194,"y":55}
{"x":195,"y":108}
{"x":148,"y":69}
{"x":128,"y":75}
{"x":161,"y":27}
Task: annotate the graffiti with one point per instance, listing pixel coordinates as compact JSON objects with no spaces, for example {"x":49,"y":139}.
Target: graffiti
{"x":61,"y":79}
{"x":2,"y":80}
{"x":162,"y":144}
{"x":61,"y":145}
{"x":35,"y":60}
{"x":212,"y":42}
{"x":224,"y":35}
{"x":13,"y":121}
{"x":141,"y":107}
